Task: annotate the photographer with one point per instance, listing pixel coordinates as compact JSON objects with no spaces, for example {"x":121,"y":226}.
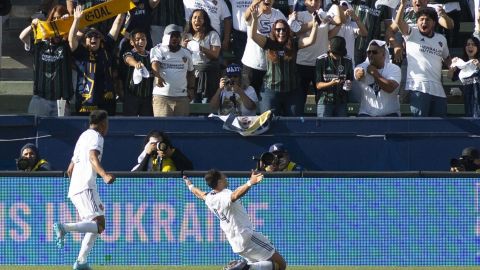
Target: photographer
{"x":277,"y":159}
{"x":232,"y":96}
{"x":159,"y":155}
{"x":469,"y":161}
{"x":30,"y":160}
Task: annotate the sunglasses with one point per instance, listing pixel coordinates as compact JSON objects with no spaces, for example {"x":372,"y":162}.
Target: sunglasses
{"x":278,"y":30}
{"x":372,"y":52}
{"x":95,"y":35}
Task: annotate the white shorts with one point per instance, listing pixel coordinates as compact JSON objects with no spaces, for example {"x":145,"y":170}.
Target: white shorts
{"x":88,"y":204}
{"x":258,"y":249}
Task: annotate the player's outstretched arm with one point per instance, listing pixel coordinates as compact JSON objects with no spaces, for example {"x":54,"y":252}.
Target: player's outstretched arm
{"x":255,"y":178}
{"x":196,"y":191}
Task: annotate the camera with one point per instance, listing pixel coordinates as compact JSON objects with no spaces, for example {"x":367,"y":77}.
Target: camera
{"x":23,"y":164}
{"x":229,"y":81}
{"x":464,"y":163}
{"x":162,"y":146}
{"x":267,"y":159}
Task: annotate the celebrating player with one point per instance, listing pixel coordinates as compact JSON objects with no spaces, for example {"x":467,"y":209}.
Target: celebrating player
{"x":235,"y":223}
{"x":83,"y":169}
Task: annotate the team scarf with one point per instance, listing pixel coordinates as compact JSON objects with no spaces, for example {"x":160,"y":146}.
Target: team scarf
{"x":92,"y":15}
{"x":246,"y":125}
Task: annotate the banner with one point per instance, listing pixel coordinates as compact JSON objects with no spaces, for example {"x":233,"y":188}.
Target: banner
{"x":93,"y":15}
{"x":246,"y":125}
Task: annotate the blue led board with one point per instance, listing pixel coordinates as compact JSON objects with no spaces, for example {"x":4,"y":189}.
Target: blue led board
{"x":311,"y":221}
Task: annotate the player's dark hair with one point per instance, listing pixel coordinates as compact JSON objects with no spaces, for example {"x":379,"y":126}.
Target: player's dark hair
{"x":212,"y":177}
{"x":429,"y":12}
{"x":97,"y":116}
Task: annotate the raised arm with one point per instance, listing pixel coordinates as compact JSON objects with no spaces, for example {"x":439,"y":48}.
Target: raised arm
{"x":25,"y":34}
{"x":72,"y":35}
{"x":116,"y":26}
{"x":248,"y":11}
{"x":399,"y":21}
{"x":255,"y":178}
{"x":307,"y":41}
{"x":261,"y":40}
{"x":444,"y":20}
{"x":196,"y":191}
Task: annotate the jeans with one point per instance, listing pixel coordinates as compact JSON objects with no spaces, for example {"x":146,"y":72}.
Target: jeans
{"x":282,"y":104}
{"x":424,"y":105}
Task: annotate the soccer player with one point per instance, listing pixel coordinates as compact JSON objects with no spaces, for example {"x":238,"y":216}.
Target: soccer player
{"x":83,"y":170}
{"x":235,"y":223}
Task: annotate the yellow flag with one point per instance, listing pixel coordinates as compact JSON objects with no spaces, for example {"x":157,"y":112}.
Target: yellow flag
{"x":92,"y":15}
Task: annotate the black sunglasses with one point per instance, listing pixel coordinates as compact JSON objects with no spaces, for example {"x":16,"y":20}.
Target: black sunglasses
{"x":95,"y":35}
{"x":278,"y":30}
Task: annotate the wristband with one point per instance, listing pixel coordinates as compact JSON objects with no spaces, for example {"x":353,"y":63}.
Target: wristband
{"x":249,"y":184}
{"x":190,"y":187}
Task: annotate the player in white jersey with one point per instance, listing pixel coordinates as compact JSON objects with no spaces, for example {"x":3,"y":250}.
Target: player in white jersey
{"x":235,"y":223}
{"x":83,"y":170}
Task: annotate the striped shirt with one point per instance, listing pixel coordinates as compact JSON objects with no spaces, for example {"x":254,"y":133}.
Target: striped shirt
{"x":145,"y":87}
{"x":52,"y":70}
{"x":280,"y":76}
{"x":328,"y":69}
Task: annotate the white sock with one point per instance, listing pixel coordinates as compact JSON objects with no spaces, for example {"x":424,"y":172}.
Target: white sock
{"x":87,"y":245}
{"x":82,"y":226}
{"x":263,"y":265}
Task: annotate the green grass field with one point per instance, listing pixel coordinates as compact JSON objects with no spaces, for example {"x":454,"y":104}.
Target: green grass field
{"x":219,"y":267}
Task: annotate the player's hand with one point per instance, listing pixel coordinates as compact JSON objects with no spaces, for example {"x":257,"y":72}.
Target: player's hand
{"x":187,"y":181}
{"x":255,"y":177}
{"x":109,"y":178}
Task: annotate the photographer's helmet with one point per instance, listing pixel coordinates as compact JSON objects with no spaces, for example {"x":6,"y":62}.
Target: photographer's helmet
{"x":470,"y":152}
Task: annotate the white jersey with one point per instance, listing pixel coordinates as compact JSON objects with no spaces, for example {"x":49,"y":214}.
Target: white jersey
{"x":173,"y":70}
{"x":425,"y":57}
{"x":238,"y":11}
{"x":254,"y":56}
{"x":308,"y":56}
{"x":374,"y":101}
{"x":234,"y":219}
{"x":217,"y":10}
{"x":84,"y":175}
{"x":232,"y":103}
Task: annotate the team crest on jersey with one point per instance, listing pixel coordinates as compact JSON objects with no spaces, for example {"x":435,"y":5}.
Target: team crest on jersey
{"x":341,"y":68}
{"x":184,"y":59}
{"x":440,"y":43}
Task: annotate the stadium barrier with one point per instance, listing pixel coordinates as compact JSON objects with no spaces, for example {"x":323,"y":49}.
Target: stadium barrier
{"x":314,"y":218}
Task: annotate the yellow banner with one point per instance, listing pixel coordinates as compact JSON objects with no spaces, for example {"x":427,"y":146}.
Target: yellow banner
{"x":90,"y":16}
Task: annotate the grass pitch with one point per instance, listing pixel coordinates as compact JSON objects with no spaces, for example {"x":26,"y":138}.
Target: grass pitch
{"x":219,"y":267}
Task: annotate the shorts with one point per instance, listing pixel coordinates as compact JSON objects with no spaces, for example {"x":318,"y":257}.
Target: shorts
{"x":258,"y":249}
{"x":88,"y":204}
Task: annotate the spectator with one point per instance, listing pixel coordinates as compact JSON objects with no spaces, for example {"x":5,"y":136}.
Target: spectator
{"x":167,"y":12}
{"x":239,"y":31}
{"x":138,"y":96}
{"x":204,"y":43}
{"x":234,"y":97}
{"x":334,"y":73}
{"x":140,"y":17}
{"x":306,"y":57}
{"x":285,"y":6}
{"x":379,"y":80}
{"x":470,"y":82}
{"x":277,"y":159}
{"x":254,"y":61}
{"x":219,"y":14}
{"x":350,"y":30}
{"x":52,"y":72}
{"x":30,"y":160}
{"x":174,"y":80}
{"x":93,"y":59}
{"x":426,"y":50}
{"x":280,"y":50}
{"x":159,"y":155}
{"x":469,"y":161}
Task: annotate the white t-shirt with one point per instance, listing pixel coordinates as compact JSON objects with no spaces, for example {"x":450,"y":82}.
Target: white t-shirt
{"x":234,"y":219}
{"x":374,"y":101}
{"x":254,"y":56}
{"x":238,"y":9}
{"x":308,"y":56}
{"x":84,"y":175}
{"x":227,"y":105}
{"x":173,"y":69}
{"x":349,"y":31}
{"x":217,"y":10}
{"x":425,"y":57}
{"x":211,"y":39}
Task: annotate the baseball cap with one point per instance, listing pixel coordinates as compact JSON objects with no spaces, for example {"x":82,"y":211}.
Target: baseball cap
{"x":233,"y":70}
{"x":278,"y":147}
{"x":470,"y":152}
{"x":93,"y":30}
{"x":172,"y":28}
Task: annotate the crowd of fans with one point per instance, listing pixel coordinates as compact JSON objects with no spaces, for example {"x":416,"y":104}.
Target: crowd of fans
{"x":163,"y":55}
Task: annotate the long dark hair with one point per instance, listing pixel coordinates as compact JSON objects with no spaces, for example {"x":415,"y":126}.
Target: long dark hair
{"x":477,"y":44}
{"x":61,"y":9}
{"x":207,"y":23}
{"x":288,"y":47}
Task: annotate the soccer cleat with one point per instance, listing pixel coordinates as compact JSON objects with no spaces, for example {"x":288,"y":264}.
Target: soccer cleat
{"x":59,"y":234}
{"x":81,"y":266}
